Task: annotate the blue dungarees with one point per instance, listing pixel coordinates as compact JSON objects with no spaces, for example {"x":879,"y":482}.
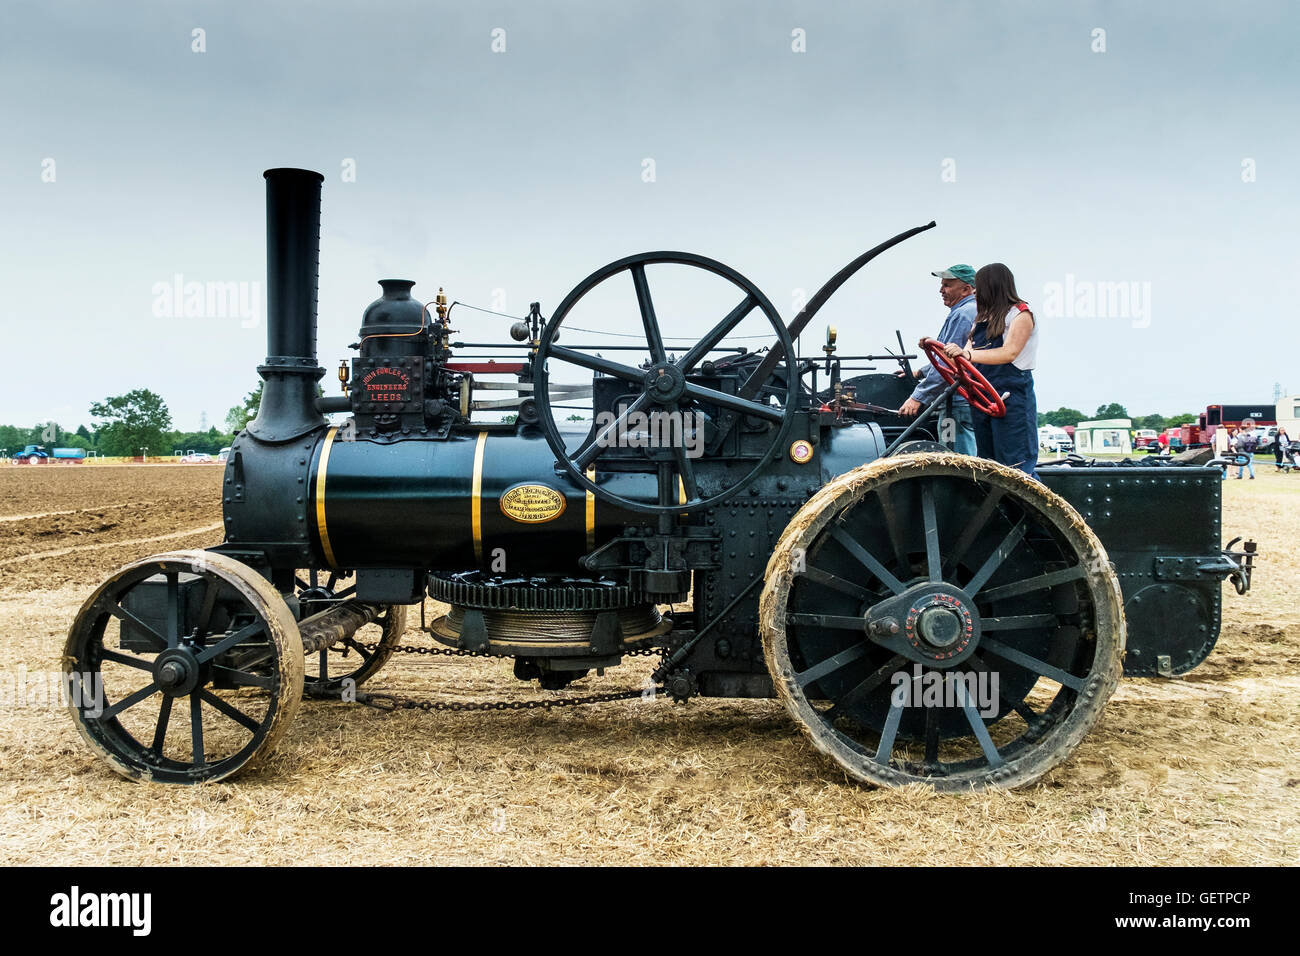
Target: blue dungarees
{"x":1012,"y":440}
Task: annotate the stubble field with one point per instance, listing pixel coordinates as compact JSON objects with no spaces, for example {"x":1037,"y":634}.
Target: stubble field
{"x":1198,"y":770}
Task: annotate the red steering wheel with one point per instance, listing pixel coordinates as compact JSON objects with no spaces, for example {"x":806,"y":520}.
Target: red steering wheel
{"x":972,"y":386}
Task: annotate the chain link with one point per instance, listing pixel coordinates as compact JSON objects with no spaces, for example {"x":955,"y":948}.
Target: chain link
{"x":394,"y":702}
{"x":462,"y":652}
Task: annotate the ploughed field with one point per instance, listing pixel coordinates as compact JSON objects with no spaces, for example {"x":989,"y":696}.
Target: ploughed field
{"x":1195,"y":770}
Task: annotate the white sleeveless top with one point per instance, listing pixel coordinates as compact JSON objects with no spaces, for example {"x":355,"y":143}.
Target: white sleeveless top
{"x":1028,"y":356}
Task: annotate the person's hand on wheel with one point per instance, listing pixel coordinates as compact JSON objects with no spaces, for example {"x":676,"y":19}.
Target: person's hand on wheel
{"x":952,"y":350}
{"x":910,"y":408}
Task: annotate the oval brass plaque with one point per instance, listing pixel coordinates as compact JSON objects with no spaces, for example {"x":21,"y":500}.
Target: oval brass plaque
{"x":532,"y":504}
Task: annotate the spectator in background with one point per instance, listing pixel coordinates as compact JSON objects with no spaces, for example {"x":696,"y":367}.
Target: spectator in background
{"x":957,"y":289}
{"x":1280,"y":443}
{"x":1247,"y":442}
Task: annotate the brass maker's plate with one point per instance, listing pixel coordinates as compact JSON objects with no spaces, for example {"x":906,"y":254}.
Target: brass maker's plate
{"x":532,"y":503}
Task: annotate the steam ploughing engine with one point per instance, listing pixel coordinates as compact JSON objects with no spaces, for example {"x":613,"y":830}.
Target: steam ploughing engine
{"x":924,"y":616}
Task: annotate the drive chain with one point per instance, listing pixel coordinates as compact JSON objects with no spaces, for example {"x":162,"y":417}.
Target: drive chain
{"x":393,"y":702}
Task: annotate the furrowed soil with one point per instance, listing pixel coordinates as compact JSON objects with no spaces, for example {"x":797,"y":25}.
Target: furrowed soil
{"x":1197,"y":770}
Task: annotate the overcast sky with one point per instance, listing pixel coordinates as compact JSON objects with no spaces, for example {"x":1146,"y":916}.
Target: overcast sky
{"x":1167,"y":162}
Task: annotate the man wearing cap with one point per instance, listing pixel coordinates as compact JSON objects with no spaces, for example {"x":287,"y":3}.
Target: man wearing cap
{"x":957,"y":288}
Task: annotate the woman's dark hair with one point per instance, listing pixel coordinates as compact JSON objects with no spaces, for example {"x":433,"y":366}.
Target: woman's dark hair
{"x":995,"y":296}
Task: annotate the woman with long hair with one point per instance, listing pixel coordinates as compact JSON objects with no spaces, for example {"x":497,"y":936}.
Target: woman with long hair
{"x":1003,"y":345}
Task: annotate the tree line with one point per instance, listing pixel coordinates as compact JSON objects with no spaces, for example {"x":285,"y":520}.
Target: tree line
{"x":128,"y":425}
{"x":1072,"y":416}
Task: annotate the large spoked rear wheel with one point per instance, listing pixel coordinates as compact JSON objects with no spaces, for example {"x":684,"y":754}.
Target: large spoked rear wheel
{"x":942,"y":619}
{"x":183,"y":667}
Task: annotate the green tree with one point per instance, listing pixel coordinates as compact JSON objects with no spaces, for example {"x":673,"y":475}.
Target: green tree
{"x":1113,"y":410}
{"x":210,"y":441}
{"x":85,"y":433}
{"x":239,"y":416}
{"x":131,"y":422}
{"x":1156,"y":422}
{"x":1061,"y":417}
{"x":12,"y":439}
{"x":45,"y":433}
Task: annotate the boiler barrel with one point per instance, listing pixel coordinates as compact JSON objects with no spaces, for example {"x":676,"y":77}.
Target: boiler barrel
{"x":487,"y":499}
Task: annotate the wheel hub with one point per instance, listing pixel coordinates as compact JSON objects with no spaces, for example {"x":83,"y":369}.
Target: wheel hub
{"x":665,"y":383}
{"x":932,"y":624}
{"x":939,"y":627}
{"x":176,"y":671}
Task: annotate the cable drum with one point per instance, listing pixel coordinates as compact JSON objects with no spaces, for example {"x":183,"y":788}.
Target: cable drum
{"x":524,"y":632}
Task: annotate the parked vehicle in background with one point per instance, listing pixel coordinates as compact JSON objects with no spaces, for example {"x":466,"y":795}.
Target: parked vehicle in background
{"x":1216,"y":417}
{"x":1237,"y":415}
{"x":1055,"y":438}
{"x":197,"y":458}
{"x":70,"y":456}
{"x":31,"y":455}
{"x":1172,"y":438}
{"x":1196,"y":435}
{"x":1264,"y":439}
{"x":224,"y":454}
{"x":1146,"y":438}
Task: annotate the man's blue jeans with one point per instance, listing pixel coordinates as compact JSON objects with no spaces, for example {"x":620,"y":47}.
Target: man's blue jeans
{"x":964,"y":438}
{"x":1250,"y":463}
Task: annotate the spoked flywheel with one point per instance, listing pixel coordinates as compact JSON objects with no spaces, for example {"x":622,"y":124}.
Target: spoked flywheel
{"x":348,"y":664}
{"x":942,"y":619}
{"x":183,"y":667}
{"x":665,"y":385}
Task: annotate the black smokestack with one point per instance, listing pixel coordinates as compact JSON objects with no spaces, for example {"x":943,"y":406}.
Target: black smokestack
{"x":292,"y":271}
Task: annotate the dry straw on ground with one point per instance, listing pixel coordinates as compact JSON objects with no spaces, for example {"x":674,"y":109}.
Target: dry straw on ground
{"x":1199,"y":770}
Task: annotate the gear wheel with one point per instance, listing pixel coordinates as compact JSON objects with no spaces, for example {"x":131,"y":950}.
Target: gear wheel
{"x":532,"y":594}
{"x":681,"y":686}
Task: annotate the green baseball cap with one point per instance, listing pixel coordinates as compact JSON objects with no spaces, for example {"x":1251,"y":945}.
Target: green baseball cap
{"x":960,"y":271}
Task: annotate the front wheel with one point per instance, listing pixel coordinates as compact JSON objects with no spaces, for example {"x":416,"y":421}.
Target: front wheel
{"x":942,"y":619}
{"x":183,"y":668}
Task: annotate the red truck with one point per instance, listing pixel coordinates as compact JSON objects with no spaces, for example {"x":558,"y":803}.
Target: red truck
{"x":1201,"y":433}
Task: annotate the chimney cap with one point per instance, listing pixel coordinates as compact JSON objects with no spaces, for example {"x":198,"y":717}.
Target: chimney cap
{"x":279,"y":170}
